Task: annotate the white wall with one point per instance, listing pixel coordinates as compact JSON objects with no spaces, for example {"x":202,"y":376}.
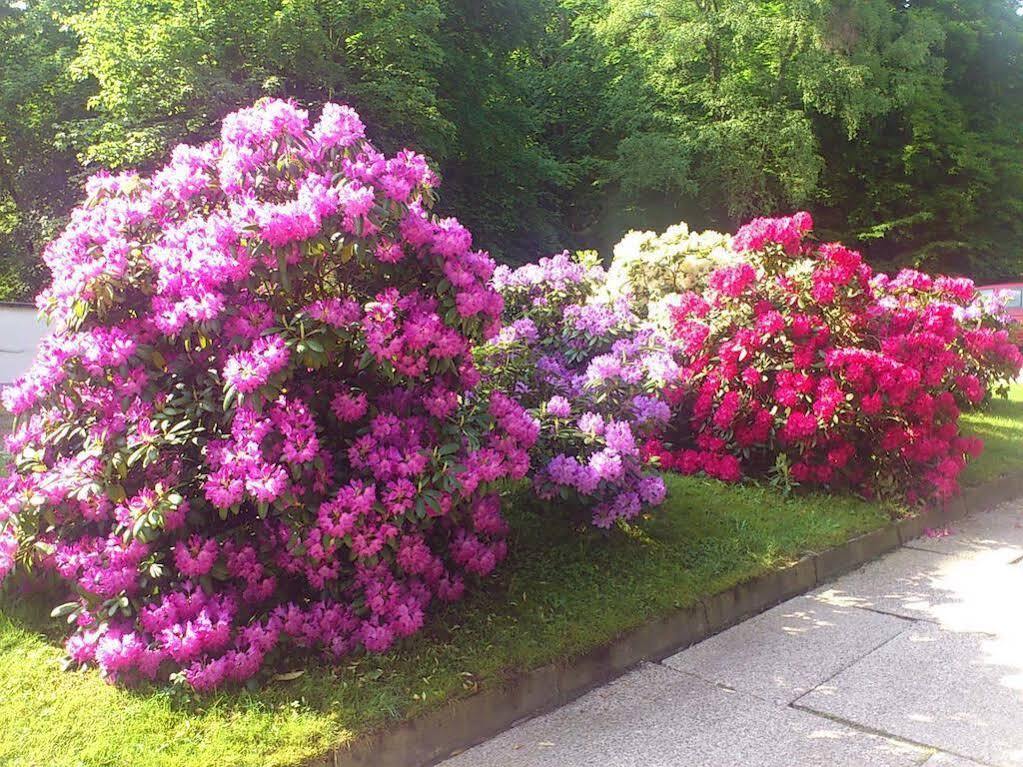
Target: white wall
{"x":20,"y":332}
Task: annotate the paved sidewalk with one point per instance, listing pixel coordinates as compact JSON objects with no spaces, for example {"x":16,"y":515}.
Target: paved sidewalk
{"x":914,"y":659}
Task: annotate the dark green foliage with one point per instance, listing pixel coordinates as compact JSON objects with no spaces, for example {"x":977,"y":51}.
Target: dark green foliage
{"x":559,"y":123}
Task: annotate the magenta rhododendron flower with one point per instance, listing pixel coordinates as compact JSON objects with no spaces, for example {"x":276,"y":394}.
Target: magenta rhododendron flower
{"x":559,"y":407}
{"x":255,"y":430}
{"x":808,"y":367}
{"x":784,"y":233}
{"x":8,"y":549}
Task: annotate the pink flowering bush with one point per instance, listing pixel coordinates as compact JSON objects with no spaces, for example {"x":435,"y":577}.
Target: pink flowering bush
{"x":804,"y":365}
{"x":255,"y":429}
{"x":592,"y":374}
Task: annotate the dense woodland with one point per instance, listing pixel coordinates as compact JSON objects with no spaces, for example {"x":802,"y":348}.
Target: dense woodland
{"x":558,"y":123}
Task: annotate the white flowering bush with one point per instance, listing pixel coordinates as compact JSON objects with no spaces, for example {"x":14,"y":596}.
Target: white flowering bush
{"x":653,"y":268}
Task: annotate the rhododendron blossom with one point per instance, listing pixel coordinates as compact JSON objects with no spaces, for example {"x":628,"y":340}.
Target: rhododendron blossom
{"x":804,"y":365}
{"x":653,"y":269}
{"x":594,"y":375}
{"x":254,"y":429}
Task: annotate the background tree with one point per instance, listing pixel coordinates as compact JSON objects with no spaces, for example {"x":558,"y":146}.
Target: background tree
{"x":559,"y":123}
{"x":36,"y":97}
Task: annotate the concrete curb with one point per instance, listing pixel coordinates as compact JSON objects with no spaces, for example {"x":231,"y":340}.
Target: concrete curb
{"x":466,"y":722}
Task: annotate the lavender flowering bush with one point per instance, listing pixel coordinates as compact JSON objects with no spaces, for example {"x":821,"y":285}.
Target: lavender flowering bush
{"x":592,"y":373}
{"x":255,"y":428}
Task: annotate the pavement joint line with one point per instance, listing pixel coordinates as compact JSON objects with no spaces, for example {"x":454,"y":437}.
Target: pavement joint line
{"x":721,"y":685}
{"x":928,"y":621}
{"x":795,"y":701}
{"x":948,"y":554}
{"x":908,"y":618}
{"x":792,"y":702}
{"x":910,"y":545}
{"x":881,"y":733}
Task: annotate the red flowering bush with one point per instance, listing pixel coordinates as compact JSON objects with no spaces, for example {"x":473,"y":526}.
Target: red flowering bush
{"x":804,"y":365}
{"x":254,"y":428}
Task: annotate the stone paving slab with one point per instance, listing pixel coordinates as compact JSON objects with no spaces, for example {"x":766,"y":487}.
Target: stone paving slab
{"x":659,"y":717}
{"x":960,"y":693}
{"x":788,"y":650}
{"x":999,"y":530}
{"x":941,"y":759}
{"x":967,"y":592}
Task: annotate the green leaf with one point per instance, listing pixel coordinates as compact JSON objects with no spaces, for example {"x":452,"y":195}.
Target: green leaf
{"x":230,"y":394}
{"x":64,"y":609}
{"x":282,"y":269}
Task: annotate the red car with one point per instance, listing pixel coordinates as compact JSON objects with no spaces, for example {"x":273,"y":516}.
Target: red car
{"x":1012,"y":293}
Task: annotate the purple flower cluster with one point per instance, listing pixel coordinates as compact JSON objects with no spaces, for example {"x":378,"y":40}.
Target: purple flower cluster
{"x":593,"y":373}
{"x":255,"y":427}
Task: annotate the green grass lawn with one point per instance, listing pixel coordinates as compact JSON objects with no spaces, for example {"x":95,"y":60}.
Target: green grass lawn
{"x":1001,"y":428}
{"x":560,"y":593}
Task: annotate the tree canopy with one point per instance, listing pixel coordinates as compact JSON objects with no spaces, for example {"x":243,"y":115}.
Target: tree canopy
{"x":558,"y":123}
